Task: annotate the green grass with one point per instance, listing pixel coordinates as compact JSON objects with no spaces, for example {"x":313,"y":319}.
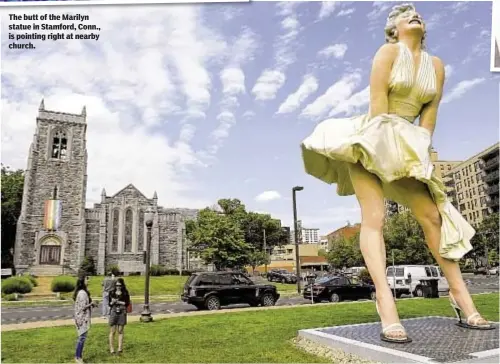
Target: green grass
{"x":262,"y":336}
{"x":164,"y":285}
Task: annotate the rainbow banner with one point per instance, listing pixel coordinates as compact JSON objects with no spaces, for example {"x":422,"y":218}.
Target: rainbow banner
{"x":52,"y":216}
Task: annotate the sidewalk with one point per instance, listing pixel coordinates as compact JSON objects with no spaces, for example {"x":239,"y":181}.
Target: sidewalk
{"x":157,"y":317}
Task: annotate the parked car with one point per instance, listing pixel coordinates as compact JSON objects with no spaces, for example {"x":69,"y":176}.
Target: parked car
{"x":494,"y":271}
{"x":407,"y":278}
{"x":215,"y":289}
{"x":282,"y":276}
{"x":338,"y":288}
{"x":481,"y":271}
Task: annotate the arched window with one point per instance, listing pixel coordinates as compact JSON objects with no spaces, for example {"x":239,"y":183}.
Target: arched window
{"x":115,"y":230}
{"x":129,"y":220}
{"x":59,"y":148}
{"x":140,"y":243}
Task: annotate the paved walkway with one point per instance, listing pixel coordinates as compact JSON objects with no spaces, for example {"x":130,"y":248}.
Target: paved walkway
{"x":156,"y":317}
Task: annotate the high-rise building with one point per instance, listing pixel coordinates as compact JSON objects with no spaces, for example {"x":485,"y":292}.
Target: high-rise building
{"x":306,"y":235}
{"x":441,"y":169}
{"x":472,"y":185}
{"x":491,"y":174}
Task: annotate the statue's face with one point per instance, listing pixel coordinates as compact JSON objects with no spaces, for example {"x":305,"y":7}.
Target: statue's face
{"x":410,"y":22}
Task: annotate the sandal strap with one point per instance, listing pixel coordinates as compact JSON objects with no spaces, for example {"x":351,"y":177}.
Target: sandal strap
{"x":394,"y":327}
{"x":477,"y":316}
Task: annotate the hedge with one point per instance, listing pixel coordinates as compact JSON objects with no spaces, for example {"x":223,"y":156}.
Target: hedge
{"x":63,"y":284}
{"x":32,"y":279}
{"x":16,"y":285}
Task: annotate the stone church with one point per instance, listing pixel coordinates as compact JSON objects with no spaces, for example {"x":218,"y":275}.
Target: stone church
{"x":55,"y":231}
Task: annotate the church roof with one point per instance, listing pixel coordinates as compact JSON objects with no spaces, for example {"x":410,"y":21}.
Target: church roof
{"x":131,"y":187}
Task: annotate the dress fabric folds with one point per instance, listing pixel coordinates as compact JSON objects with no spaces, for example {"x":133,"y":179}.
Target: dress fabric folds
{"x":391,"y":147}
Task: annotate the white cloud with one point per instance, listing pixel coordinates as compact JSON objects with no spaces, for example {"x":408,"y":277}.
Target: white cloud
{"x":337,"y":93}
{"x":273,"y":78}
{"x":335,"y":51}
{"x":448,"y":70}
{"x":327,"y":8}
{"x":233,"y":85}
{"x":460,"y":89}
{"x":154,"y":73}
{"x":294,"y":101}
{"x":268,"y":84}
{"x":353,"y":103}
{"x":248,"y":114}
{"x":346,"y":12}
{"x":268,"y":196}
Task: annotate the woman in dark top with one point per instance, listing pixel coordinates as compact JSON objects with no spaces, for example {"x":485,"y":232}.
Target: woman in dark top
{"x":119,"y":299}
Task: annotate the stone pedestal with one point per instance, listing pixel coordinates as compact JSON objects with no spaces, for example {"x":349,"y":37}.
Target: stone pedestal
{"x":435,"y":339}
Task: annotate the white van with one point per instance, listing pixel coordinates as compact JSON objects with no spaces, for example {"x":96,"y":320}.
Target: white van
{"x":417,"y":272}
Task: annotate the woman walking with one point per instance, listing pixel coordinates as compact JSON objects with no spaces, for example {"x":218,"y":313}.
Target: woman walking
{"x":385,"y":155}
{"x":119,"y":300}
{"x":83,"y":312}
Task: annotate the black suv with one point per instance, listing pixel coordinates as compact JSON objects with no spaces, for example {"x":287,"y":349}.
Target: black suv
{"x":213,"y":290}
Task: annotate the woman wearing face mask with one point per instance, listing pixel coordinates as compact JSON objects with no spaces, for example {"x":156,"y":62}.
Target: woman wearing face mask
{"x":383,"y":154}
{"x":83,"y":312}
{"x":119,"y":299}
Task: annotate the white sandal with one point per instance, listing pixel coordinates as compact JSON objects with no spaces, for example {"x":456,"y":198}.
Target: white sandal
{"x":396,"y":327}
{"x":472,"y":321}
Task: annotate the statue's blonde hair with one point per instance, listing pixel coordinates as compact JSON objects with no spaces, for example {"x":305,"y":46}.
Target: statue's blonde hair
{"x":390,"y":26}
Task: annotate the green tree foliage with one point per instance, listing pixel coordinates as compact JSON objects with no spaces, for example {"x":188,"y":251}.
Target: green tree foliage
{"x":228,"y":236}
{"x":12,"y":195}
{"x":405,"y":237}
{"x":486,"y":240}
{"x":344,"y":252}
{"x":218,"y":239}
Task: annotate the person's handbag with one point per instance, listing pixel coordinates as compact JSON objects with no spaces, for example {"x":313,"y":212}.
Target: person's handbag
{"x":129,"y":307}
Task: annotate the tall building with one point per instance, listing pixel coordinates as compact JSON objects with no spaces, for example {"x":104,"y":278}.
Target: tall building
{"x":490,"y":167}
{"x":472,"y":185}
{"x":441,"y":169}
{"x":306,"y":235}
{"x":55,"y":231}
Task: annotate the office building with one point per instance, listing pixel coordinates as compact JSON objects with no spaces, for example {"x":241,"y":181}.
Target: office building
{"x":472,"y":185}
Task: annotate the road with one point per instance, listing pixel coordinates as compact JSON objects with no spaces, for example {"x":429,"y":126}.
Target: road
{"x":11,"y":315}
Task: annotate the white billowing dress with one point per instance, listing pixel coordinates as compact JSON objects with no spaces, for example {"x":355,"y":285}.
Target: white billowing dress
{"x":391,"y":147}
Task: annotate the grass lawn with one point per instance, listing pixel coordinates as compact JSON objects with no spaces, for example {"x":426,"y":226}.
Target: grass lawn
{"x":252,"y":337}
{"x":164,"y":285}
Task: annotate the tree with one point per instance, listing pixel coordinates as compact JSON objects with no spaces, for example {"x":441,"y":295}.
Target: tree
{"x":257,"y":258}
{"x":218,"y":239}
{"x":344,"y":252}
{"x":12,"y":195}
{"x":404,"y":236}
{"x":486,"y":240}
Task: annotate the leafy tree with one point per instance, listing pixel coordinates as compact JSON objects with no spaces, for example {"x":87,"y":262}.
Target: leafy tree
{"x":344,"y":252}
{"x":12,"y":195}
{"x":88,"y":267}
{"x":486,"y":240}
{"x":218,"y":239}
{"x":405,"y":237}
{"x":257,"y":258}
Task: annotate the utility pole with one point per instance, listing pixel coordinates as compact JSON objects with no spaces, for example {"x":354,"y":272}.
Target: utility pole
{"x":265,"y":252}
{"x":393,"y":274}
{"x":296,"y":233}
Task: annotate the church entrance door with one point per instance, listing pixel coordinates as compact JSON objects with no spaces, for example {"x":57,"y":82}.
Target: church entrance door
{"x":50,"y":251}
{"x":50,"y":254}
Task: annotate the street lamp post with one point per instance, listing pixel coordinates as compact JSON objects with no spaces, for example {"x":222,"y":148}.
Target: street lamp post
{"x":296,"y":233}
{"x":146,"y":312}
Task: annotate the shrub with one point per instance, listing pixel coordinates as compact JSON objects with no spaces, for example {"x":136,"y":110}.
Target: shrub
{"x":113,"y":268}
{"x":364,"y":276}
{"x":9,"y":297}
{"x":158,"y":270}
{"x":32,"y":279}
{"x":87,"y":267}
{"x":63,"y":284}
{"x":16,"y":285}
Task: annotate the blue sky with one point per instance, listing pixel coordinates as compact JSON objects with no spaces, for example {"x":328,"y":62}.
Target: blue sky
{"x":212,"y":101}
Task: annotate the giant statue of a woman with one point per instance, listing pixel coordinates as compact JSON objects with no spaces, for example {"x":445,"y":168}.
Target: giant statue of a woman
{"x":385,"y":154}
